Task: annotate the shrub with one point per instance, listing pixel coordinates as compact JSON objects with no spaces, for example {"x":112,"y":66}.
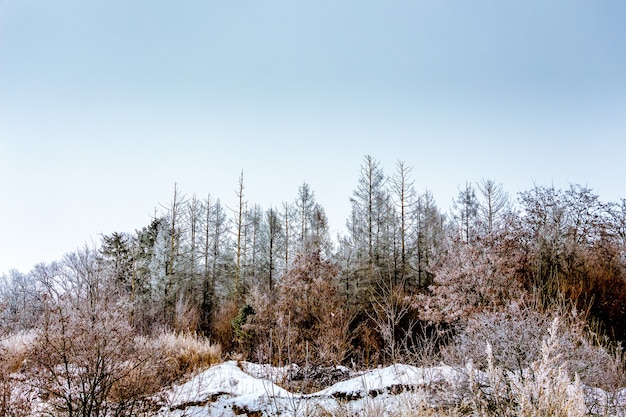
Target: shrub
{"x":515,"y":333}
{"x":14,"y":394}
{"x":83,"y":359}
{"x":471,"y":278}
{"x":222,"y":326}
{"x":243,"y":335}
{"x":544,"y":389}
{"x":304,"y":321}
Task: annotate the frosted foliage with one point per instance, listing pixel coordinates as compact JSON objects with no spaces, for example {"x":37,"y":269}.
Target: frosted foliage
{"x":515,"y":336}
{"x":513,"y":333}
{"x":304,"y":315}
{"x":79,"y":368}
{"x":472,"y":278}
{"x":159,"y":256}
{"x":543,"y":389}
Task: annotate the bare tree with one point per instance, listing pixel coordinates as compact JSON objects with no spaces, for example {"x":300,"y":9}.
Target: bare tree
{"x":389,"y":308}
{"x":20,"y":301}
{"x":495,"y":203}
{"x":240,"y":242}
{"x":287,"y":221}
{"x":194,"y":219}
{"x":84,"y":357}
{"x":403,"y":195}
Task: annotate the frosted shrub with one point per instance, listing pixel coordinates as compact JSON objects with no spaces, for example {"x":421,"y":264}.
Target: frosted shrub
{"x":544,"y":389}
{"x":547,"y":389}
{"x":514,"y":334}
{"x":387,"y":312}
{"x":472,"y":278}
{"x":16,"y":345}
{"x":84,"y":361}
{"x":304,"y":320}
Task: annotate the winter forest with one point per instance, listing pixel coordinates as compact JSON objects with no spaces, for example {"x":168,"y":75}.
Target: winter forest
{"x":515,"y":284}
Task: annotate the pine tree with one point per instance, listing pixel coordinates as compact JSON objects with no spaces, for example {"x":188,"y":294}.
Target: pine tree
{"x":465,"y":213}
{"x":428,"y":238}
{"x":404,"y":196}
{"x":369,"y":209}
{"x":305,"y":205}
{"x":493,"y":206}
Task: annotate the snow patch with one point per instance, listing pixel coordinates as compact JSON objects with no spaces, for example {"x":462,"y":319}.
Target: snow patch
{"x":232,"y":389}
{"x":407,"y":376}
{"x":223,"y":380}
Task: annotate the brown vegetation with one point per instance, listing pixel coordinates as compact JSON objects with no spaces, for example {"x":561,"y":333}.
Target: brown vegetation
{"x":403,"y":284}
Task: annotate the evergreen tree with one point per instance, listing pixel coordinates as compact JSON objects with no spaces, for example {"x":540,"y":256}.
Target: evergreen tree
{"x":273,"y":241}
{"x":117,"y":254}
{"x":403,"y":197}
{"x":429,"y":237}
{"x":465,"y":213}
{"x":493,"y":206}
{"x":215,"y":249}
{"x":305,"y":206}
{"x":370,"y":212}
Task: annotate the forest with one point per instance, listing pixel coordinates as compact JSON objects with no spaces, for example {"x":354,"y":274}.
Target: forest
{"x":106,"y":327}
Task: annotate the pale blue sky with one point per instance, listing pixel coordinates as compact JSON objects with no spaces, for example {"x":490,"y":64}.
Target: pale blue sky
{"x":104,"y":104}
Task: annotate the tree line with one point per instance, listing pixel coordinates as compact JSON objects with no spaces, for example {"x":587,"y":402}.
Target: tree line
{"x":272,"y":284}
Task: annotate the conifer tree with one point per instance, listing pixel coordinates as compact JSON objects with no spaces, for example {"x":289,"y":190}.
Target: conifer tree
{"x":403,"y":196}
{"x":493,"y":205}
{"x":429,"y":238}
{"x":305,"y":205}
{"x":368,"y":203}
{"x":240,"y":233}
{"x":465,"y":213}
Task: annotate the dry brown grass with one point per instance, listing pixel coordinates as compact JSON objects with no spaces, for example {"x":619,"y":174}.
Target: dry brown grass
{"x":14,"y":350}
{"x":180,"y":354}
{"x":222,"y":326}
{"x":14,"y":401}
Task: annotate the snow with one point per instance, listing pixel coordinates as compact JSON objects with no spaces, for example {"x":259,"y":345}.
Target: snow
{"x":242,"y":388}
{"x":400,"y":376}
{"x":227,"y":390}
{"x":225,"y":380}
{"x":267,"y":371}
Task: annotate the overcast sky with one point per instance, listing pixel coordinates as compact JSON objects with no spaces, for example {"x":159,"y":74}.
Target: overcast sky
{"x":105,"y":104}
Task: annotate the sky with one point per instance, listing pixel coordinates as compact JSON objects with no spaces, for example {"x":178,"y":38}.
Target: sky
{"x":106,"y":104}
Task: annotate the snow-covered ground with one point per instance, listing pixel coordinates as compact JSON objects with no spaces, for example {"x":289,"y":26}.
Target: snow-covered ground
{"x":223,"y":389}
{"x":241,"y":388}
{"x":226,"y":390}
